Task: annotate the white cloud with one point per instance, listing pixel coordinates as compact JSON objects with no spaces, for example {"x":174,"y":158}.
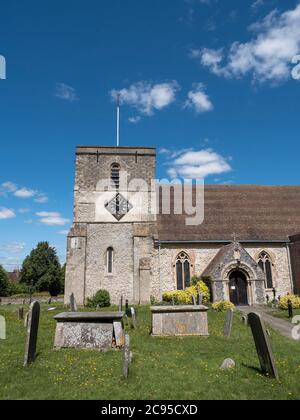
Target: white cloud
{"x":199,"y":100}
{"x":134,"y":120}
{"x":23,"y":210}
{"x":266,"y":57}
{"x":52,"y":218}
{"x":66,"y":92}
{"x":13,"y":248}
{"x":24,"y":193}
{"x":147,"y":97}
{"x":6,"y":213}
{"x":198,"y":164}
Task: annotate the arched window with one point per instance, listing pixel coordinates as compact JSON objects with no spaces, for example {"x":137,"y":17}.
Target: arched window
{"x":265,"y":263}
{"x":110,"y":260}
{"x":115,"y":175}
{"x":183,"y":271}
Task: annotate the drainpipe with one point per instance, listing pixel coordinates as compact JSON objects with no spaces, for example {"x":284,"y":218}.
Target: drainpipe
{"x":290,"y":267}
{"x":159,"y":267}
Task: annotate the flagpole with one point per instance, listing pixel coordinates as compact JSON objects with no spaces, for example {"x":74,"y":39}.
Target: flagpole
{"x":118,"y":119}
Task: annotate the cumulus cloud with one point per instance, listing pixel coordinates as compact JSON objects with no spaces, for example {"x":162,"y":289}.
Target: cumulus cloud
{"x":198,"y":164}
{"x":52,"y":218}
{"x":22,"y":192}
{"x":266,"y":57}
{"x":66,"y":92}
{"x":147,"y":97}
{"x":6,"y":213}
{"x":199,"y":100}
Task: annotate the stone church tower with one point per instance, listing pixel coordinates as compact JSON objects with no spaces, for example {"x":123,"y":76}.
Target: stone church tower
{"x":110,"y":243}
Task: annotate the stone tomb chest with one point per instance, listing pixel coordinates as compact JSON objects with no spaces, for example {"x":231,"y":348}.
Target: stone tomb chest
{"x":179,"y":321}
{"x":91,"y":330}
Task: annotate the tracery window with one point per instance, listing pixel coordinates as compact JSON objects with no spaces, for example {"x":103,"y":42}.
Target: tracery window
{"x":183,"y":271}
{"x":265,"y":263}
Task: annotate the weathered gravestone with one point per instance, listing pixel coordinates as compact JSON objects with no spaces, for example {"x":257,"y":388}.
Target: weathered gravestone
{"x":263,"y":346}
{"x":20,"y":314}
{"x":194,"y":300}
{"x":228,"y":323}
{"x":133,"y":318}
{"x":245,"y":319}
{"x":228,"y":364}
{"x":200,"y":299}
{"x":2,"y":328}
{"x":32,"y":333}
{"x":73,"y":303}
{"x":126,"y":357}
{"x":119,"y":335}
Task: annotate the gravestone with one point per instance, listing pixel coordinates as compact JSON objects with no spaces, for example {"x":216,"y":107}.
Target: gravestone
{"x":119,"y":335}
{"x":133,"y":318}
{"x":26,"y":319}
{"x":20,"y":314}
{"x":263,"y":346}
{"x":228,"y":364}
{"x":126,"y":357}
{"x":2,"y":328}
{"x":200,"y":299}
{"x":194,"y":300}
{"x":73,"y":304}
{"x":228,"y":323}
{"x":245,"y":319}
{"x":32,"y":333}
{"x":290,"y":309}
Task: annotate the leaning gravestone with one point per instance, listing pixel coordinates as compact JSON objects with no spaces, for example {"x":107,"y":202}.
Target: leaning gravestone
{"x":119,"y":335}
{"x":20,"y":314}
{"x":126,"y":357}
{"x":73,"y":304}
{"x":228,"y":323}
{"x":263,"y":346}
{"x":32,"y":333}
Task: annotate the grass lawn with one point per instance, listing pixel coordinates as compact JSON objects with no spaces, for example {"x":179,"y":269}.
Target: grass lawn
{"x":163,"y":368}
{"x":285,"y":314}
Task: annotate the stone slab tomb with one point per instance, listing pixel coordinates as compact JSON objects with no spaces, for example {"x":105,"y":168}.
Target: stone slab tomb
{"x":101,"y":331}
{"x":179,"y":321}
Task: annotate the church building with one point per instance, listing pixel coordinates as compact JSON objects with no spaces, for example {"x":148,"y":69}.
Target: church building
{"x":247,"y":246}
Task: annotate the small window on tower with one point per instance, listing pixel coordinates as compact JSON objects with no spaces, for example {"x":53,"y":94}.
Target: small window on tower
{"x":110,"y":260}
{"x":115,"y":175}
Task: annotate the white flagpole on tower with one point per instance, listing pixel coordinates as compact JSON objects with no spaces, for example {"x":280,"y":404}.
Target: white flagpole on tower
{"x":118,"y":119}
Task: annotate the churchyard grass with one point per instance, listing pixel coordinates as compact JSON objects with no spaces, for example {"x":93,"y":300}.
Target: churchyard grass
{"x":285,"y":314}
{"x":163,"y":368}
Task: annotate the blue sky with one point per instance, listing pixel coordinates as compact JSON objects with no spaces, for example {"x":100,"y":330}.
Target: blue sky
{"x":206,"y":81}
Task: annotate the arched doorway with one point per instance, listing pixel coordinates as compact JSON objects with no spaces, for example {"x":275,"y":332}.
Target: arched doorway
{"x":238,"y":286}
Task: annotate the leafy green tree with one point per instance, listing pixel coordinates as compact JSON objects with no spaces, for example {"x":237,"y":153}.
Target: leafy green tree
{"x":4,"y":282}
{"x":41,"y":270}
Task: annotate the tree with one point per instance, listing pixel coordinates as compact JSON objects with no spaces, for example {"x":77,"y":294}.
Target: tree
{"x":41,"y":270}
{"x":4,"y":282}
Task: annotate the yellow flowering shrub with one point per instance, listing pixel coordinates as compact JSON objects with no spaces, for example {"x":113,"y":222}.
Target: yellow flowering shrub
{"x":185,"y":297}
{"x":283,"y":304}
{"x":223,"y":306}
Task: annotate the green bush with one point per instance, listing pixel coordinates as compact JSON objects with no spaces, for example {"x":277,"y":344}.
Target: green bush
{"x":185,"y":297}
{"x":4,"y":283}
{"x":100,"y":300}
{"x":223,"y":306}
{"x":283,"y":303}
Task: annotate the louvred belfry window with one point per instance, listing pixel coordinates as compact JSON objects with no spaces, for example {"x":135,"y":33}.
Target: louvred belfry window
{"x":265,"y":264}
{"x":183,"y":271}
{"x":115,"y":175}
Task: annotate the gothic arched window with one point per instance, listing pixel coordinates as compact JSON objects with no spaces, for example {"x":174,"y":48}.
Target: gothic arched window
{"x":265,"y":263}
{"x":183,"y":271}
{"x":115,"y":175}
{"x":110,"y":260}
